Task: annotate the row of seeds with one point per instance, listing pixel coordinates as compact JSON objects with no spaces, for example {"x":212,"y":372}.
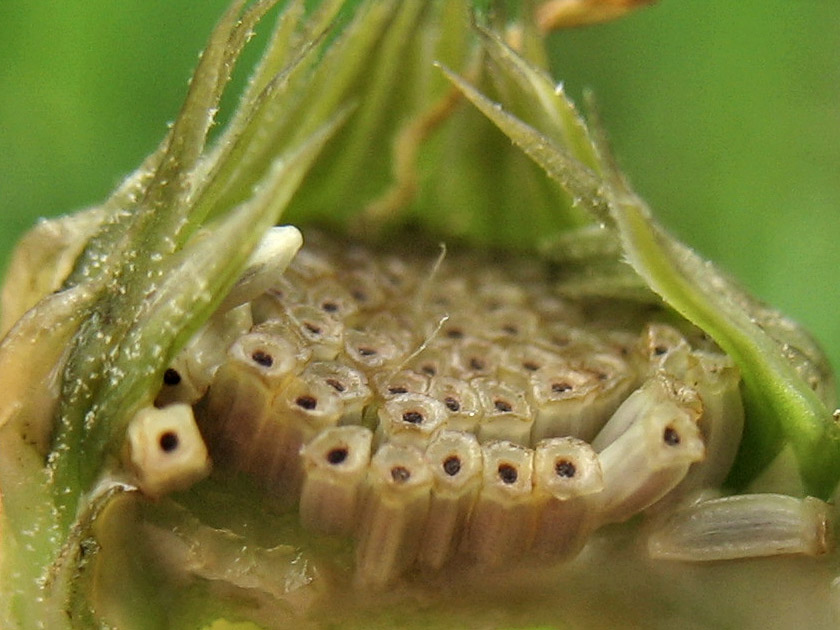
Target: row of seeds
{"x":432,"y":416}
{"x":270,"y":396}
{"x":495,"y":502}
{"x":442,"y":465}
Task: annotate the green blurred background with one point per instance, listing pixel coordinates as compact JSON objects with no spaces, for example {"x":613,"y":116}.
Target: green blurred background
{"x":725,"y":113}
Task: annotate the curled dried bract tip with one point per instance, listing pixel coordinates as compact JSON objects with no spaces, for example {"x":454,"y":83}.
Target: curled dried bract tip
{"x":556,"y":14}
{"x":265,"y":265}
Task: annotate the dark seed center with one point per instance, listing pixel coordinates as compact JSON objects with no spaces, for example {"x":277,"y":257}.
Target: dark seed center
{"x":329,"y":307}
{"x":502,"y":405}
{"x":366,"y":351}
{"x":476,"y":363}
{"x":169,"y":441}
{"x":452,"y":404}
{"x":336,"y":385}
{"x":559,"y":388}
{"x":660,"y":350}
{"x":508,"y":474}
{"x":397,"y":389}
{"x":452,"y":465}
{"x":671,"y":437}
{"x":400,"y":474}
{"x":306,"y":402}
{"x":413,"y":417}
{"x":262,"y":358}
{"x":530,"y":366}
{"x":336,"y":456}
{"x":315,"y":330}
{"x":564,"y":468}
{"x":171,"y":377}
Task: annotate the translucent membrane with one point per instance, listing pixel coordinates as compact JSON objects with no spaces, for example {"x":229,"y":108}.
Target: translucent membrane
{"x":166,"y":450}
{"x":567,"y":480}
{"x":455,"y":460}
{"x":744,"y":526}
{"x":410,"y":419}
{"x":348,"y":383}
{"x":396,"y":506}
{"x":504,"y":517}
{"x":335,"y":465}
{"x":654,"y":439}
{"x":505,"y":414}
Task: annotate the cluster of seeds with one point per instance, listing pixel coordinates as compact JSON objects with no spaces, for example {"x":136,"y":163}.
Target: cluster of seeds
{"x":452,"y":408}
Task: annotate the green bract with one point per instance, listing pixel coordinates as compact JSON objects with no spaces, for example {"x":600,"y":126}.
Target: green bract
{"x":378,"y":119}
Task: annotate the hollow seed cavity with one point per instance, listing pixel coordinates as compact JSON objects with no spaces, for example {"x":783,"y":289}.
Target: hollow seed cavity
{"x":413,"y":417}
{"x":452,"y":465}
{"x":670,"y":436}
{"x":306,"y":402}
{"x":400,"y":474}
{"x":502,"y":406}
{"x":171,"y":377}
{"x":564,"y":468}
{"x":168,"y":441}
{"x":508,"y":474}
{"x":337,"y":456}
{"x":336,"y":385}
{"x":262,"y":358}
